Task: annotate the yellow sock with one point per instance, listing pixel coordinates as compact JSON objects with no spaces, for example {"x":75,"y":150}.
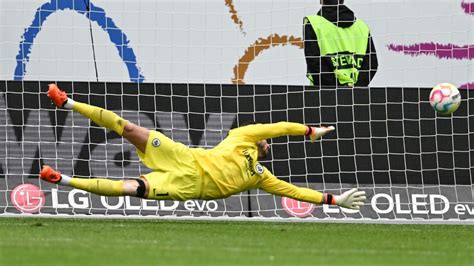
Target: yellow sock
{"x":99,"y":186}
{"x":101,"y":117}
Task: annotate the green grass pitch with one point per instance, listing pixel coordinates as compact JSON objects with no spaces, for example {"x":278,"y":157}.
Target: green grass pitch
{"x":35,"y":241}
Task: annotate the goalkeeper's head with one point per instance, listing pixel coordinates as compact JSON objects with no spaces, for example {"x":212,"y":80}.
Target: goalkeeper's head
{"x":262,"y":145}
{"x":263,"y":148}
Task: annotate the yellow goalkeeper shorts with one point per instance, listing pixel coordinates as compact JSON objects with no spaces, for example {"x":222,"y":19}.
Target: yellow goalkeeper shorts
{"x":175,"y":172}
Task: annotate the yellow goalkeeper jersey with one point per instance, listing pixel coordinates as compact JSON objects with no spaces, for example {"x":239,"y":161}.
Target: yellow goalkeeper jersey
{"x":229,"y":168}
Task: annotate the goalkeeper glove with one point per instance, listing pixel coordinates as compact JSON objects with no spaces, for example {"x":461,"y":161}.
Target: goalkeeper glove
{"x":315,"y":133}
{"x":351,"y":199}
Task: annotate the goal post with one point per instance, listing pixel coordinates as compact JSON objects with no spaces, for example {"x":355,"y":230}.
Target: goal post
{"x":414,"y":164}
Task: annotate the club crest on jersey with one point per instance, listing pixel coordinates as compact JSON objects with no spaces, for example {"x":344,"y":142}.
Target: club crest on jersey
{"x":259,"y":169}
{"x":155,"y":142}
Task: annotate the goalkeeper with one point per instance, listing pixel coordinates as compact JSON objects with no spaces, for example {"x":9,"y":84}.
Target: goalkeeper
{"x":182,"y":173}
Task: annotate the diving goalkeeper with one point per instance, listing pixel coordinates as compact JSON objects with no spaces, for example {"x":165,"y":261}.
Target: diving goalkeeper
{"x":182,"y":173}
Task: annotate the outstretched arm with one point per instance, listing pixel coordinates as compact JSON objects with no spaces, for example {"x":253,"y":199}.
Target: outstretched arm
{"x":257,"y":132}
{"x":279,"y":187}
{"x":352,"y":198}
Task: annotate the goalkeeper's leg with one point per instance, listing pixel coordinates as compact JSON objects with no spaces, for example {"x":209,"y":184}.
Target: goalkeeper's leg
{"x":99,"y":186}
{"x":137,"y":135}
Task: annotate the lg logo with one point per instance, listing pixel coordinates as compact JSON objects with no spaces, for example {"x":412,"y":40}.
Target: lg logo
{"x":27,"y":198}
{"x":297,"y":208}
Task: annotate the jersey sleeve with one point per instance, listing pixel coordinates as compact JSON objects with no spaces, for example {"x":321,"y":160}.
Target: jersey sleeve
{"x":258,"y":132}
{"x":278,"y":187}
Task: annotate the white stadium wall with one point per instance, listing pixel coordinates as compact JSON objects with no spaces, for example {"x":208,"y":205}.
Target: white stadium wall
{"x":202,"y":41}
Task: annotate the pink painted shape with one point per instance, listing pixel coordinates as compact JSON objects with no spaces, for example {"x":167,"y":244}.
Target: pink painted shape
{"x":445,"y":51}
{"x":467,"y":86}
{"x":468,"y":7}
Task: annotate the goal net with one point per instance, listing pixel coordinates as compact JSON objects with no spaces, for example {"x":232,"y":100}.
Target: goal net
{"x":196,"y":69}
{"x":412,"y":163}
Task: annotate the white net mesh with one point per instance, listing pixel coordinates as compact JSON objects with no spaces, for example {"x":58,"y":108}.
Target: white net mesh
{"x":388,"y":142}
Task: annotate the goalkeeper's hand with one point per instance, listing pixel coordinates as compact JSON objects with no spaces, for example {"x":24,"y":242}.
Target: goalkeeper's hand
{"x":315,"y":133}
{"x":351,"y":199}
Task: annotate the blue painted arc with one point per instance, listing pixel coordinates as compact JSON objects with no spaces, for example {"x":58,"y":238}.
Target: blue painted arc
{"x":97,"y":15}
